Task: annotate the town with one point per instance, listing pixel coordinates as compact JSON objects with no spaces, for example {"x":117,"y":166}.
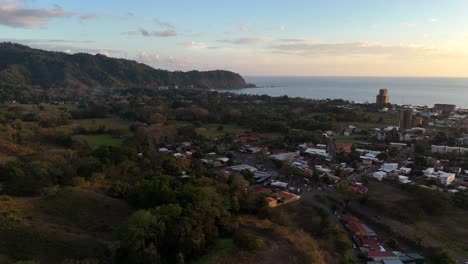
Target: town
{"x":355,"y":172}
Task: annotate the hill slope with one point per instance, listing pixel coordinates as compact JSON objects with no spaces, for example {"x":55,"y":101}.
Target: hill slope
{"x":24,"y":66}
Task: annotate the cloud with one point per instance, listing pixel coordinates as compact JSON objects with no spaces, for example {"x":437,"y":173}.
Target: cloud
{"x":163,"y":62}
{"x":424,"y":36}
{"x":357,"y":49}
{"x":243,"y":27}
{"x":127,"y":16}
{"x":105,"y":53}
{"x":45,"y":41}
{"x":433,"y":20}
{"x":295,"y":40}
{"x":146,"y":33}
{"x":408,"y":24}
{"x":164,"y":24}
{"x":245,"y":41}
{"x":194,"y":45}
{"x":282,"y":27}
{"x":15,"y":14}
{"x":88,"y":16}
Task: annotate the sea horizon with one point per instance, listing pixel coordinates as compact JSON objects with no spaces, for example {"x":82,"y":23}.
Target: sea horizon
{"x":417,"y":91}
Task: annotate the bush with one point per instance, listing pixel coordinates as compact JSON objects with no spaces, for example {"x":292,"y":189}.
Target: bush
{"x":248,"y":241}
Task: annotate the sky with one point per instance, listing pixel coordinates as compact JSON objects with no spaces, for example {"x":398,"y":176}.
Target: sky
{"x":255,"y":37}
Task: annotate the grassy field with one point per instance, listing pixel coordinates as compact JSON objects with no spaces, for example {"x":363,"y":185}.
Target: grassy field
{"x":449,"y":228}
{"x":281,"y":245}
{"x":70,"y":224}
{"x":223,"y":247}
{"x":212,"y":130}
{"x":95,"y":123}
{"x":96,"y":141}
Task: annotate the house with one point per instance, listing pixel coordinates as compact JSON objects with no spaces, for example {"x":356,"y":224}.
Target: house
{"x":317,"y":152}
{"x":379,"y":175}
{"x":239,"y":168}
{"x":280,"y":185}
{"x":404,"y":170}
{"x":445,"y":178}
{"x":223,"y":160}
{"x":261,"y":176}
{"x":272,"y":202}
{"x":382,"y":256}
{"x":163,"y":150}
{"x":284,"y":156}
{"x":404,"y":179}
{"x":389,"y":167}
{"x":344,"y":148}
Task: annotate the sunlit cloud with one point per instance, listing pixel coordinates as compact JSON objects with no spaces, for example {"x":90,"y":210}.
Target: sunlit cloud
{"x":15,"y":14}
{"x":194,"y":45}
{"x":245,"y":41}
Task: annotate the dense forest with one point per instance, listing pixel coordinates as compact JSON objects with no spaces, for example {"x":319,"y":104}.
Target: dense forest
{"x":22,"y":67}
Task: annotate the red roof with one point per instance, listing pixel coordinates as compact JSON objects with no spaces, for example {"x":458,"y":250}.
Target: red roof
{"x":364,"y":241}
{"x":343,"y":147}
{"x":374,"y":254}
{"x":357,"y":228}
{"x":261,"y":189}
{"x":286,"y":195}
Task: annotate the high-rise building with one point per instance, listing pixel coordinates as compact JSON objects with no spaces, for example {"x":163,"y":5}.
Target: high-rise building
{"x":445,"y":108}
{"x":405,"y":118}
{"x":382,"y":97}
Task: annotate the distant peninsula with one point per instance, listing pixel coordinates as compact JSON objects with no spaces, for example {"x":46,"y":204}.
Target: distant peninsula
{"x":22,"y":66}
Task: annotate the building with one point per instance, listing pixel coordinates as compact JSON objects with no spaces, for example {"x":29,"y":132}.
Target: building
{"x":382,"y":97}
{"x":444,"y":178}
{"x":445,"y":108}
{"x":405,"y":118}
{"x":418,"y":121}
{"x":379,"y":175}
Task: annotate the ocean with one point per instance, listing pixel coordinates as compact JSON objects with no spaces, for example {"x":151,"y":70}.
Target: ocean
{"x":402,"y":90}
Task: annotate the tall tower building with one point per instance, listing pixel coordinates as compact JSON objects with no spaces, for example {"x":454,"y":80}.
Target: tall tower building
{"x":382,"y":97}
{"x":405,"y":119}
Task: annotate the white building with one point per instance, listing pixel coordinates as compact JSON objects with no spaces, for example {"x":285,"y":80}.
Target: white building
{"x":379,"y":175}
{"x":405,"y":170}
{"x":389,"y":167}
{"x":445,"y":178}
{"x":403,"y":179}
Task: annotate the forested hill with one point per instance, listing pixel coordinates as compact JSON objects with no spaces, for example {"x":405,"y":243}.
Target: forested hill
{"x":22,"y":66}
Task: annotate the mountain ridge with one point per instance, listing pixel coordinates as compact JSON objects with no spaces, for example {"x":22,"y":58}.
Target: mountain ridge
{"x":21,"y":65}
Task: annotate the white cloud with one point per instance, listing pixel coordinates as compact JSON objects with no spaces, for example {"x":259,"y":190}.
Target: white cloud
{"x":245,"y":41}
{"x":105,"y":53}
{"x":164,"y":62}
{"x":195,"y":45}
{"x":15,"y":14}
{"x":434,"y":20}
{"x":282,"y":27}
{"x":424,"y":36}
